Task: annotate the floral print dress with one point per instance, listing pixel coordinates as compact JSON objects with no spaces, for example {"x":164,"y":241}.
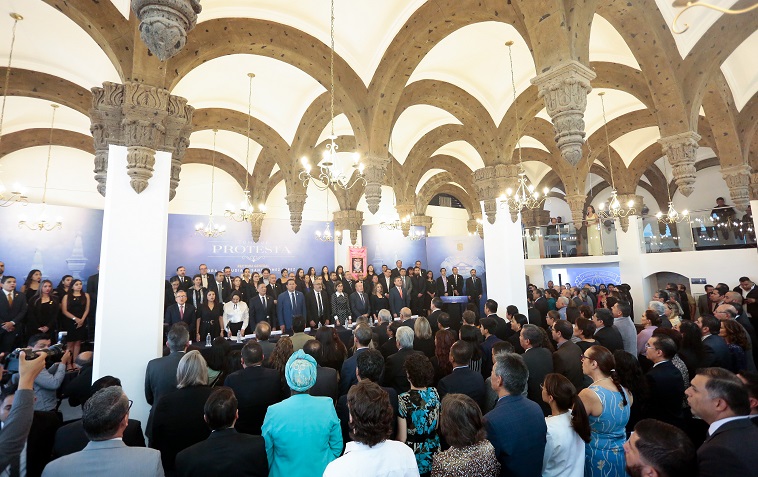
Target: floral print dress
{"x":421,"y":411}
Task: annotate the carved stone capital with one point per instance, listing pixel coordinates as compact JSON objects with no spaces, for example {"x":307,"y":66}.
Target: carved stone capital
{"x":164,"y":24}
{"x":351,"y":220}
{"x":139,"y":166}
{"x":681,"y":151}
{"x":422,"y":221}
{"x":296,"y":203}
{"x":754,"y":186}
{"x":535,"y":217}
{"x":564,"y":90}
{"x":576,"y":204}
{"x":256,"y":224}
{"x":737,"y":178}
{"x":490,"y":209}
{"x":624,"y":201}
{"x":491,"y":182}
{"x":375,"y":174}
{"x":405,"y":211}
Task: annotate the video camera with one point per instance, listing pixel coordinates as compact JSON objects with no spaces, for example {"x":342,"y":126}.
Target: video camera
{"x":54,"y":353}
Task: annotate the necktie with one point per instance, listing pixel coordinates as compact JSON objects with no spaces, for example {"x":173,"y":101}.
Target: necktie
{"x":181,"y":312}
{"x":362,"y":300}
{"x":263,"y":300}
{"x":292,"y":299}
{"x":318,"y":300}
{"x":400,"y":289}
{"x":235,"y":306}
{"x":444,"y":283}
{"x":10,"y":299}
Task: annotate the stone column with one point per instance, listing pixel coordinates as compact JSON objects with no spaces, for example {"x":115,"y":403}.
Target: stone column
{"x":576,"y":204}
{"x":256,"y":224}
{"x":737,"y":178}
{"x":405,"y":211}
{"x":423,"y":221}
{"x":375,"y":174}
{"x":564,"y":89}
{"x":144,"y":119}
{"x":681,"y":151}
{"x":490,"y":183}
{"x":351,"y":220}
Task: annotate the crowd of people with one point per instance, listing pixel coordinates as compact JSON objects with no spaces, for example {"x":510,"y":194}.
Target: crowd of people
{"x":346,"y":377}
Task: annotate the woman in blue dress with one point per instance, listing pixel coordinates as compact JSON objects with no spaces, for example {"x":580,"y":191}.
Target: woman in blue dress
{"x":608,"y":405}
{"x":419,"y":412}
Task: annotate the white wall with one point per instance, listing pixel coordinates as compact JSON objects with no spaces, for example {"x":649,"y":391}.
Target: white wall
{"x":447,"y":221}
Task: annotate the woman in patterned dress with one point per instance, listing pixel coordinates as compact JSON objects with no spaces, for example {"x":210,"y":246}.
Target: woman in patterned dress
{"x":419,"y":411}
{"x":608,"y":405}
{"x":340,"y":305}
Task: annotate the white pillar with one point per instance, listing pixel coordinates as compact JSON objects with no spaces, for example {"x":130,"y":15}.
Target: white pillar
{"x":340,"y":251}
{"x":130,"y":325}
{"x":630,"y":256}
{"x":504,"y":256}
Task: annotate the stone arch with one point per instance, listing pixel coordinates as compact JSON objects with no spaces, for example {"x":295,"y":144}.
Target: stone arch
{"x":35,"y":84}
{"x":26,"y":138}
{"x":431,"y":189}
{"x":225,"y":163}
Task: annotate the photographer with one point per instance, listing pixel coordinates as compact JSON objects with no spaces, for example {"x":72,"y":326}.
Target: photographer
{"x":46,"y":384}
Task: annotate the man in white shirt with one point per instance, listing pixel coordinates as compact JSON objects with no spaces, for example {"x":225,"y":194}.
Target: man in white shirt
{"x":370,"y":453}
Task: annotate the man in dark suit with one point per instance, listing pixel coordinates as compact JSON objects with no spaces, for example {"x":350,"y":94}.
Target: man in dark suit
{"x":395,"y":272}
{"x":290,"y":303}
{"x":664,"y":381}
{"x":319,"y":305}
{"x":749,"y":293}
{"x":487,"y":326}
{"x":457,"y":282}
{"x":418,"y":285}
{"x":361,"y":339}
{"x":516,"y":426}
{"x":399,"y":298}
{"x":256,"y":389}
{"x":387,"y":281}
{"x":395,"y":375}
{"x":567,"y":359}
{"x":160,"y":375}
{"x":704,"y":302}
{"x":538,"y":360}
{"x":474,"y":289}
{"x":444,"y":287}
{"x":359,"y":302}
{"x":79,"y":389}
{"x":223,"y":290}
{"x":180,"y":312}
{"x":12,"y":314}
{"x":326,"y":378}
{"x":462,"y":379}
{"x":207,"y":279}
{"x":657,"y":448}
{"x":540,"y":303}
{"x":434,"y":316}
{"x":184,"y":281}
{"x":715,"y":351}
{"x":262,"y":307}
{"x":606,"y":334}
{"x":720,"y":399}
{"x":262,"y":334}
{"x":390,"y":346}
{"x":233,"y":453}
{"x":502,"y":330}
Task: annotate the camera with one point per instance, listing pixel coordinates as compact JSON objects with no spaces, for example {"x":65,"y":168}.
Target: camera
{"x":54,"y":352}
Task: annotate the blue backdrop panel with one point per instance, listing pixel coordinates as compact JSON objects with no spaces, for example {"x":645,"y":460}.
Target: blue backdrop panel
{"x":465,"y":252}
{"x":587,"y":273}
{"x":388,"y":246}
{"x":73,"y":250}
{"x":279,"y":247}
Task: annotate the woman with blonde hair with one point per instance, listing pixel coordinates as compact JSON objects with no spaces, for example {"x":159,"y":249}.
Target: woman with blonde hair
{"x":423,"y":340}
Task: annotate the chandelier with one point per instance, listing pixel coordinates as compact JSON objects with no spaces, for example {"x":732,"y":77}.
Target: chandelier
{"x":42,"y":224}
{"x":326,"y":235}
{"x":525,"y":196}
{"x":245,"y":211}
{"x":615,"y":209}
{"x":672,"y":216}
{"x":211,"y":229}
{"x":687,"y":5}
{"x":16,"y":194}
{"x":330,"y":172}
{"x":395,"y":224}
{"x":417,"y":235}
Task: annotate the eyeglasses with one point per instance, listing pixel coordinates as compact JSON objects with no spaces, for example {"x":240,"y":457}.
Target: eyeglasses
{"x":128,"y":408}
{"x":648,"y":346}
{"x":583,"y":357}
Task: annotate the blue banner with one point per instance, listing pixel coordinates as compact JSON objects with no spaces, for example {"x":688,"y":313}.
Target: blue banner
{"x":578,"y":275}
{"x":465,"y":252}
{"x":385,"y":247}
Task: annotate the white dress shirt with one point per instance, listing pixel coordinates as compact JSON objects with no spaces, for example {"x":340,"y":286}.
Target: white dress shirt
{"x":237,"y":314}
{"x":562,"y":448}
{"x":386,"y":459}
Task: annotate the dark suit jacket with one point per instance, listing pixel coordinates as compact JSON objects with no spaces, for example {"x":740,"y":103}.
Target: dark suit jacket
{"x":463,"y":380}
{"x":473,"y":290}
{"x":211,"y":283}
{"x":725,"y":453}
{"x":358,"y":307}
{"x":433,"y":320}
{"x":540,"y":363}
{"x":184,"y":283}
{"x":666,"y":393}
{"x":540,"y":304}
{"x":610,"y":337}
{"x":71,"y":437}
{"x":78,"y":389}
{"x":534,"y":317}
{"x":226,"y":452}
{"x":397,"y":302}
{"x":260,"y":313}
{"x":386,"y":286}
{"x":326,"y":383}
{"x":517,"y":430}
{"x":486,"y":346}
{"x":284,"y":310}
{"x":752,"y":308}
{"x":567,"y":361}
{"x":715,"y":352}
{"x":394,"y":370}
{"x":503,"y":330}
{"x":703,"y":305}
{"x":256,"y":388}
{"x":160,"y":376}
{"x":388,"y":349}
{"x":395,"y":272}
{"x":441,"y":290}
{"x":15,"y":313}
{"x":312,"y":305}
{"x":178,"y":422}
{"x":457,"y":282}
{"x":347,"y":374}
{"x":343,"y":413}
{"x":171,"y":317}
{"x":224,"y":291}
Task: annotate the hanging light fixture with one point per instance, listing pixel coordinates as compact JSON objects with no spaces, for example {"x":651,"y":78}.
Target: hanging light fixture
{"x":686,"y":5}
{"x":525,"y":196}
{"x":615,"y":208}
{"x":672,"y":216}
{"x":326,"y":235}
{"x":417,"y":235}
{"x":211,"y":229}
{"x":16,"y":194}
{"x":42,"y":224}
{"x":331,"y":171}
{"x":246,"y":209}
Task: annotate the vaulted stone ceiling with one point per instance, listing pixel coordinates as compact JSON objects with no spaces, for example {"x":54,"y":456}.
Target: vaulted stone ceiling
{"x":424,"y":85}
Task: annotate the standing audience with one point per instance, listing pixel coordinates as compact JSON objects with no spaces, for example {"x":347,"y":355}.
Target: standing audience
{"x":568,"y":428}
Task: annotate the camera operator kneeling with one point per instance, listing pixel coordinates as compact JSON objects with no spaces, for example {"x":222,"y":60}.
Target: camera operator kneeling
{"x":46,"y":384}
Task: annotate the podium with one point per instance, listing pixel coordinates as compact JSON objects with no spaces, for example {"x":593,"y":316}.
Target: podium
{"x":453,"y":308}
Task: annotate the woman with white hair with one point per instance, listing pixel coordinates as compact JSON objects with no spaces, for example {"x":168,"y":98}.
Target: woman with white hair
{"x":302,"y":433}
{"x":178,"y":417}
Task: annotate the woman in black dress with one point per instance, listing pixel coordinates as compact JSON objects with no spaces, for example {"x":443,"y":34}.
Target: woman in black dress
{"x":431,"y":291}
{"x":340,"y":305}
{"x":379,"y":301}
{"x":63,"y":287}
{"x":300,"y":280}
{"x":75,"y":310}
{"x":333,"y":350}
{"x":370,"y":272}
{"x":237,"y":286}
{"x":210,"y":318}
{"x":324,"y":275}
{"x":340,"y":272}
{"x":31,"y":284}
{"x":43,"y":311}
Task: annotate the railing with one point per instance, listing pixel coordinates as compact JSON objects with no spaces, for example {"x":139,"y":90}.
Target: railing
{"x":566,"y":240}
{"x":702,"y":230}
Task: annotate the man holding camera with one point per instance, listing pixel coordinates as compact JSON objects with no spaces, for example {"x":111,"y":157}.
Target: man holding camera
{"x":46,"y":384}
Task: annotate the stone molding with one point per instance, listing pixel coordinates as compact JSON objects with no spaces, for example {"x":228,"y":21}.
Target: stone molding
{"x":681,"y":151}
{"x":296,"y":203}
{"x":738,"y":178}
{"x":164,"y":24}
{"x":256,"y":224}
{"x":375,"y":174}
{"x":351,"y":220}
